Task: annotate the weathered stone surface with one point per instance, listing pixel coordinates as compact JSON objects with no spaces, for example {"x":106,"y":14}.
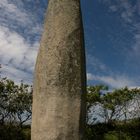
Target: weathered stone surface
{"x":59,"y":82}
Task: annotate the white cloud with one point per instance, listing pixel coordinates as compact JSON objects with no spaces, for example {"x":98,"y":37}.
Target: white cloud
{"x":128,"y":14}
{"x":10,"y":10}
{"x":20,"y":28}
{"x":117,"y":81}
{"x":91,"y":77}
{"x":36,"y":29}
{"x":136,"y":46}
{"x":138,"y":7}
{"x":113,"y":8}
{"x":96,"y":63}
{"x":14,"y":15}
{"x":16,"y":53}
{"x":16,"y":74}
{"x":124,"y":8}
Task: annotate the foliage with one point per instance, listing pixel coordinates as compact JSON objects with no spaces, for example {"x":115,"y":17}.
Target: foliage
{"x":15,"y":110}
{"x":118,"y":130}
{"x":15,"y":102}
{"x":93,"y":98}
{"x":120,"y":104}
{"x":12,"y":132}
{"x":113,"y":135}
{"x":118,"y":109}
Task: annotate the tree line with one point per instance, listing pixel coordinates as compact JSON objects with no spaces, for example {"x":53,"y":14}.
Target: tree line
{"x":113,"y":115}
{"x":105,"y":109}
{"x":15,"y":110}
{"x":116,"y":105}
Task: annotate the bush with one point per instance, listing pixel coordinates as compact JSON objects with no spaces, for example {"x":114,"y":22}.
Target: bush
{"x":114,"y":135}
{"x":11,"y":132}
{"x":111,"y":136}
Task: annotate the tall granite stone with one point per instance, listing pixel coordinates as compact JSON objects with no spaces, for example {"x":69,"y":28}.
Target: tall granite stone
{"x":59,"y":81}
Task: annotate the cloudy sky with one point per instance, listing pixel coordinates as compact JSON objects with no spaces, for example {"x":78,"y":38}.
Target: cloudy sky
{"x":112,"y":40}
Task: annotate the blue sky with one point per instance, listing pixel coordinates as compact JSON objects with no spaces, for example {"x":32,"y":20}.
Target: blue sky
{"x":112,"y":40}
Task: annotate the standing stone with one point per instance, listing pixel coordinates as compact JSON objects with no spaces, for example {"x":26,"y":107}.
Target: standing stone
{"x":59,"y":84}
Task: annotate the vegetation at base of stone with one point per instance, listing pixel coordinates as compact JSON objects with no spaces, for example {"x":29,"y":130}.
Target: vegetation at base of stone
{"x":15,"y":102}
{"x":15,"y":110}
{"x":114,"y":131}
{"x":112,"y":115}
{"x":13,"y":132}
{"x":109,"y":106}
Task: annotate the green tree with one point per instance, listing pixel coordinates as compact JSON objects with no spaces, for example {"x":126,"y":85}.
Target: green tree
{"x":120,"y":104}
{"x":22,"y":104}
{"x":15,"y":102}
{"x":93,"y":99}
